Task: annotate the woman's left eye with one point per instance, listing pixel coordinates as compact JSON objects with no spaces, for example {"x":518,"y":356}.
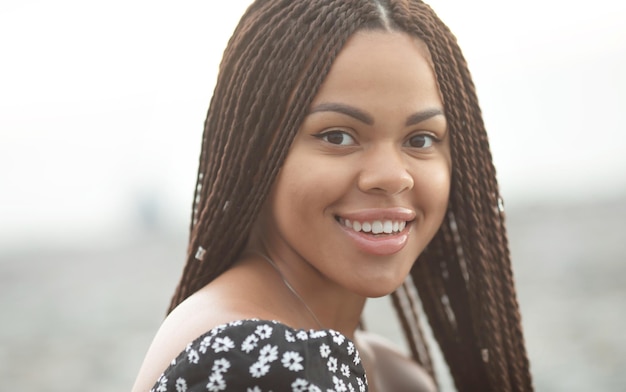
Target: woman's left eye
{"x":421,"y":141}
{"x":339,"y":138}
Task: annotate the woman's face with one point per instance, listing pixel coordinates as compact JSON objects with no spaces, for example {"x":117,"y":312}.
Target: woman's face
{"x":365,"y":185}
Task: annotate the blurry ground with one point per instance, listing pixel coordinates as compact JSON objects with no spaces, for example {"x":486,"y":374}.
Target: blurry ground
{"x":75,"y":320}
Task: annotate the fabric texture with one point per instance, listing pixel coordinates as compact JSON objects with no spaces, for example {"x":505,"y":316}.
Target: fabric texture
{"x":260,"y":356}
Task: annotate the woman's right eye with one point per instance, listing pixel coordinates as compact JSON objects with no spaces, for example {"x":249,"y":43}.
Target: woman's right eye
{"x":339,"y":138}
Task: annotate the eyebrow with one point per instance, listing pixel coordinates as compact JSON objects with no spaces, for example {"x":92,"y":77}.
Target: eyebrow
{"x":418,"y":117}
{"x":360,"y":115}
{"x":344,"y":109}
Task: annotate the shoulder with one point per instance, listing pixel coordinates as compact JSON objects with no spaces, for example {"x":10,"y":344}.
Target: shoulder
{"x":218,"y":303}
{"x":264,"y":354}
{"x":389,"y":368}
{"x":198,"y":314}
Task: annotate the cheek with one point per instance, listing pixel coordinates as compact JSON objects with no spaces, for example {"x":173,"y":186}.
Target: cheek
{"x":304,"y":189}
{"x":294,"y":186}
{"x":432,"y":186}
{"x":311,"y":180}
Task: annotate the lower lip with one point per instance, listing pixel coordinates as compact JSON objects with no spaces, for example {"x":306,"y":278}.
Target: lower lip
{"x":380,"y":245}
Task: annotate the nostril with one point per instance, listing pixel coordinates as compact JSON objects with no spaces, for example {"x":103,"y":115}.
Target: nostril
{"x":381,"y":180}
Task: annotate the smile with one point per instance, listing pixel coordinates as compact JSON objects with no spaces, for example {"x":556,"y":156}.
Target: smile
{"x":374,"y":226}
{"x":382,"y":237}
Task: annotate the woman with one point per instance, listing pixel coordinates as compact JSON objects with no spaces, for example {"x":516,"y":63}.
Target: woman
{"x":344,"y":157}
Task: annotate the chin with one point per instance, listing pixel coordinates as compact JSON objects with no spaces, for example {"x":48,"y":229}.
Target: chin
{"x":380,"y":288}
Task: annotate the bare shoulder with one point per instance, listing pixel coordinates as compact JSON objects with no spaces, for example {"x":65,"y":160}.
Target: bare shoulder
{"x":391,"y":370}
{"x":206,"y":309}
{"x":183,"y":325}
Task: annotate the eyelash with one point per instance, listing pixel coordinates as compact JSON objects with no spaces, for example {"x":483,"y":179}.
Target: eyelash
{"x":324,"y":136}
{"x":433,"y":140}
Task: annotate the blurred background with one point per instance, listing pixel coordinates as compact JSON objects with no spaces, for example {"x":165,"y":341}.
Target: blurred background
{"x":101,"y":112}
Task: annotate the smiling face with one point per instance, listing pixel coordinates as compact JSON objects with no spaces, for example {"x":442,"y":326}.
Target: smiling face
{"x":365,"y":185}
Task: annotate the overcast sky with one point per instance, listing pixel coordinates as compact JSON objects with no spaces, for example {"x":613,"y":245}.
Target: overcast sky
{"x":102,"y":103}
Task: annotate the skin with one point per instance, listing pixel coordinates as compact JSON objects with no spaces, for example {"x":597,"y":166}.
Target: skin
{"x":374,"y":146}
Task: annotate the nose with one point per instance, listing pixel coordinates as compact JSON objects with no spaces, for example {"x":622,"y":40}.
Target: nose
{"x":384,"y":170}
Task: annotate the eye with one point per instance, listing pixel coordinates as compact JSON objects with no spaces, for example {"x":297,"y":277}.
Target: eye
{"x":339,"y":138}
{"x":421,"y":141}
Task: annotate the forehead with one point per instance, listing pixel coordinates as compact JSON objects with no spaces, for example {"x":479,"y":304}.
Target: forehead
{"x":383,"y":65}
{"x":387,"y":41}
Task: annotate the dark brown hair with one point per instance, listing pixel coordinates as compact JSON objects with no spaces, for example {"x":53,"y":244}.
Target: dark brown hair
{"x":272,"y":68}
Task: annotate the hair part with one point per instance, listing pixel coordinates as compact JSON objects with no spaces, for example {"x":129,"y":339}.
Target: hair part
{"x":272,"y":68}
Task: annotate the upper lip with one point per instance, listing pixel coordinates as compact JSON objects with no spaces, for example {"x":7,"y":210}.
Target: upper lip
{"x":372,"y":214}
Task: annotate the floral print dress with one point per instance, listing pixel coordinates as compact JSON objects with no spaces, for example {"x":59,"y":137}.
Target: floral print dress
{"x":260,"y":356}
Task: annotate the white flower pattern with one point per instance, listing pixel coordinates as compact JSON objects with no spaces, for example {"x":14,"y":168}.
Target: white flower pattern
{"x":222,"y":344}
{"x":268,"y":354}
{"x":361,"y":384}
{"x":161,"y":384}
{"x":324,"y":350}
{"x":193,"y":356}
{"x":205,"y":344}
{"x":357,"y":358}
{"x":249,"y":343}
{"x":216,"y":383}
{"x":337,"y":337}
{"x":318,"y":334}
{"x":350,"y":348}
{"x":181,"y":385}
{"x":345,"y":370}
{"x":340,"y":385}
{"x":291,"y":360}
{"x":300,"y":385}
{"x":221,"y":366}
{"x":259,"y":369}
{"x":332,"y":364}
{"x":231,"y":357}
{"x":264,"y":331}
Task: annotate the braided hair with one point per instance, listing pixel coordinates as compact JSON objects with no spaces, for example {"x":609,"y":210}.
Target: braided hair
{"x":272,"y":68}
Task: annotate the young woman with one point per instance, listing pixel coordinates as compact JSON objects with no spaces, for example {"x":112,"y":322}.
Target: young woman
{"x":344,"y":157}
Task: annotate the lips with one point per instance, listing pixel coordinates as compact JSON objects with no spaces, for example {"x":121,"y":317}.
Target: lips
{"x":378,"y":231}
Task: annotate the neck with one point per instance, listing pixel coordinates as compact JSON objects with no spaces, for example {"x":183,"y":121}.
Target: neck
{"x":326,"y":306}
{"x":292,"y":290}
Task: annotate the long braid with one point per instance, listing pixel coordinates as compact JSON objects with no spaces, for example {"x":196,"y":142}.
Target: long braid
{"x":225,"y":211}
{"x":484,"y":206}
{"x":489,"y":280}
{"x":453,"y":301}
{"x":405,"y":305}
{"x":271,"y":70}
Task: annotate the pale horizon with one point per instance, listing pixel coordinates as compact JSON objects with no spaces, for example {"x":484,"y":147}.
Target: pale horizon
{"x":102,"y":105}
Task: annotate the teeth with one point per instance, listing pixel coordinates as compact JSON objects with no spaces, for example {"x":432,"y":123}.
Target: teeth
{"x":375,"y":227}
{"x":388,"y":227}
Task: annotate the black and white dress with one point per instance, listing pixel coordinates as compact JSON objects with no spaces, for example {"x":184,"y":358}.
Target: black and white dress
{"x":261,"y":356}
